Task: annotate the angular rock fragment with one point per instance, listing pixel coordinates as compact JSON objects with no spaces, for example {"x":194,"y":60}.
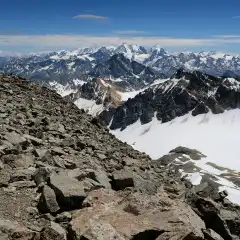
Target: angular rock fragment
{"x":54,"y":232}
{"x":70,"y":192}
{"x":121,"y":180}
{"x":48,"y":202}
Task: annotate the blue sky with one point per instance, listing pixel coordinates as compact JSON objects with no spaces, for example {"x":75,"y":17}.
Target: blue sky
{"x":33,"y":26}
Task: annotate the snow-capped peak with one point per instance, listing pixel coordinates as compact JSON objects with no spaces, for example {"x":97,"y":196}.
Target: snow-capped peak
{"x":125,"y":49}
{"x":158,"y":49}
{"x":130,"y":51}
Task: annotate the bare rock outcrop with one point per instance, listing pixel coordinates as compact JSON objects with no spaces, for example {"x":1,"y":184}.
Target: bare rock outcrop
{"x":113,"y":215}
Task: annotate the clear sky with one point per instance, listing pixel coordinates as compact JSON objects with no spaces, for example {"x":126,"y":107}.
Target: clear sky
{"x":43,"y":25}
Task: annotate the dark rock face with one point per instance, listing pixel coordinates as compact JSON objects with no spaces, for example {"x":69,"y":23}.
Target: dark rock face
{"x":134,"y":75}
{"x":63,"y":176}
{"x":185,"y":92}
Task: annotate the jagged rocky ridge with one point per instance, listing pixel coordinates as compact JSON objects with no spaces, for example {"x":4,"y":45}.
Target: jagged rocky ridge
{"x":132,"y":75}
{"x":63,"y":176}
{"x":96,"y":96}
{"x":184,"y":92}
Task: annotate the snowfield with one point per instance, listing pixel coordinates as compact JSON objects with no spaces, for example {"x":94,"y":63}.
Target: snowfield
{"x":215,"y":135}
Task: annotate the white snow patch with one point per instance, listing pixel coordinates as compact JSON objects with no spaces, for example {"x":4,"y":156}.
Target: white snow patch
{"x":126,"y":95}
{"x":215,"y":135}
{"x":70,"y":65}
{"x":195,"y":178}
{"x":218,"y":55}
{"x":88,"y":57}
{"x":60,"y":89}
{"x":89,"y":106}
{"x":233,"y":194}
{"x":117,"y":80}
{"x":55,"y":57}
{"x":78,"y":82}
{"x":45,"y":68}
{"x":141,"y":57}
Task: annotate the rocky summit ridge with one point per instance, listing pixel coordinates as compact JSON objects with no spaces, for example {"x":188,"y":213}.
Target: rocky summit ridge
{"x":64,"y":176}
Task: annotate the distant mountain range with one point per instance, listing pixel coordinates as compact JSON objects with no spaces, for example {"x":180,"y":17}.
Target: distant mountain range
{"x":64,"y":67}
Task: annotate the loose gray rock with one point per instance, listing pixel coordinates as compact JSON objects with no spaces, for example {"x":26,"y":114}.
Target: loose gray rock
{"x":102,"y":178}
{"x":209,"y":234}
{"x":4,"y":178}
{"x":57,"y":151}
{"x":15,"y":230}
{"x":23,"y":184}
{"x":64,"y":217}
{"x":70,"y":192}
{"x":40,"y":152}
{"x":42,"y":175}
{"x":22,"y":174}
{"x":35,"y":141}
{"x":48,"y":202}
{"x":122,"y":179}
{"x":1,"y":165}
{"x":15,"y":138}
{"x":54,"y":232}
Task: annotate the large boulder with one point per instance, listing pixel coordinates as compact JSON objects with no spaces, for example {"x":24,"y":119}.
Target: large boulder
{"x":15,"y":138}
{"x":122,"y":179}
{"x":15,"y":230}
{"x":69,"y":191}
{"x":98,"y":176}
{"x":114,"y":215}
{"x":209,"y":211}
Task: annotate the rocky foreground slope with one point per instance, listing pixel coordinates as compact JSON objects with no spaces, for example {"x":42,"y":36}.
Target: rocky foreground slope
{"x":63,"y":176}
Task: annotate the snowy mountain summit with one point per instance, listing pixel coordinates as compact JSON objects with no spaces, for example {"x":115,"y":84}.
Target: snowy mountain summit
{"x":64,"y":66}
